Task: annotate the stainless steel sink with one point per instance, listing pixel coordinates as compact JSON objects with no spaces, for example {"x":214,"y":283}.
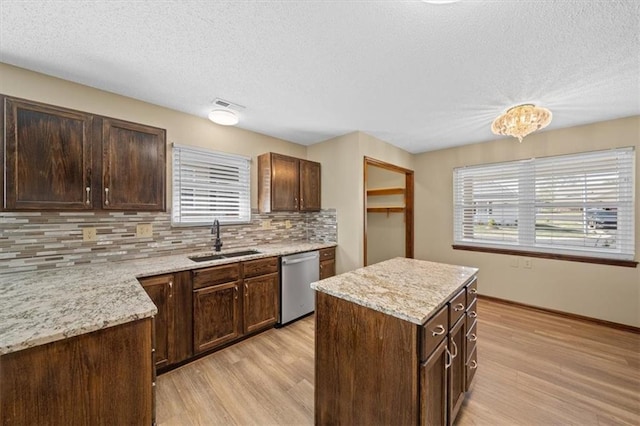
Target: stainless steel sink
{"x":217,"y":256}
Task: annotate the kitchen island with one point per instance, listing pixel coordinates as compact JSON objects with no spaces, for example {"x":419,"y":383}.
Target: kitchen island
{"x":395,"y":343}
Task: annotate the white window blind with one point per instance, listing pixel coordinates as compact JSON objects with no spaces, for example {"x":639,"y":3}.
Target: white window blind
{"x":578,"y":204}
{"x":209,"y":185}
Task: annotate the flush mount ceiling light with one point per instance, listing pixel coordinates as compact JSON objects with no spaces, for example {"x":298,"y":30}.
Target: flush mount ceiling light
{"x":224,"y":117}
{"x":521,"y":120}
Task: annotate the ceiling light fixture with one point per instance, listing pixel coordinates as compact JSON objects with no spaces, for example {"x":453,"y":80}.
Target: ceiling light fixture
{"x":521,"y":120}
{"x":223,"y":117}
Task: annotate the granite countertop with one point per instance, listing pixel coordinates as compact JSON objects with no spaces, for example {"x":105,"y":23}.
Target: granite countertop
{"x":44,"y":306}
{"x":409,"y":289}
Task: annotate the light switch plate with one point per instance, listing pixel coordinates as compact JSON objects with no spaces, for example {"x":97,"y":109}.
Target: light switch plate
{"x":266,"y":224}
{"x":89,"y":234}
{"x":144,"y":230}
{"x":287,"y":224}
{"x":514,"y":261}
{"x":526,"y":263}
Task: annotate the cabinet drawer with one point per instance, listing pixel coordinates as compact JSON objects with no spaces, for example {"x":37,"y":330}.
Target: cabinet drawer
{"x":457,"y":307}
{"x":472,"y":292}
{"x":328,"y":253}
{"x":257,"y":267}
{"x":216,"y":275}
{"x":471,"y":367}
{"x":472,"y":338}
{"x":433,"y":332}
{"x":472,"y":313}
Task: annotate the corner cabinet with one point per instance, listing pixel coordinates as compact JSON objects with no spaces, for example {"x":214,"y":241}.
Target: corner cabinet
{"x":60,"y":159}
{"x":288,"y":184}
{"x":327,"y":262}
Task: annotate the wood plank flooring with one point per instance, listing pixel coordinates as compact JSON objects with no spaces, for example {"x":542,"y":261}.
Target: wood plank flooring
{"x":534,"y":369}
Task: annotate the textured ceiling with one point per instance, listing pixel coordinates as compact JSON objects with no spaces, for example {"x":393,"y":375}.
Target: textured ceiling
{"x":417,"y":75}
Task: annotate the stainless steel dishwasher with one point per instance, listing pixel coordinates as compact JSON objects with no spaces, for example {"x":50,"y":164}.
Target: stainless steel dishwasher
{"x":297,"y":299}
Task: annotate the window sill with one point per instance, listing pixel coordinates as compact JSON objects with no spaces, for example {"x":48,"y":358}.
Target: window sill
{"x":555,"y":256}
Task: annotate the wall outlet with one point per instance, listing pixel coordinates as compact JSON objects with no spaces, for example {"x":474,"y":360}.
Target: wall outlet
{"x":514,"y":262}
{"x":144,"y":230}
{"x":287,"y":224}
{"x":266,"y":224}
{"x":89,"y":234}
{"x":526,"y":263}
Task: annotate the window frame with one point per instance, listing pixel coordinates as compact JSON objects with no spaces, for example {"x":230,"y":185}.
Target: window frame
{"x":527,"y":213}
{"x":193,"y":167}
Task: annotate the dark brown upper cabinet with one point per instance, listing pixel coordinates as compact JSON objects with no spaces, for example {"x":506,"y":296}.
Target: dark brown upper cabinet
{"x":133,"y":166}
{"x":287,"y":183}
{"x":48,"y":157}
{"x":60,"y":159}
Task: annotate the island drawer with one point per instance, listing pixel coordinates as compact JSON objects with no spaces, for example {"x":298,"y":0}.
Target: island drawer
{"x":253,"y":268}
{"x":472,"y":338}
{"x":472,"y":314}
{"x":457,"y":307}
{"x":216,"y":275}
{"x":472,"y":291}
{"x":433,"y":332}
{"x":471,"y":367}
{"x":327,"y":253}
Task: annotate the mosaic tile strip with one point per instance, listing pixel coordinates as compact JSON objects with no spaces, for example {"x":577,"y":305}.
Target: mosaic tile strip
{"x":44,"y":240}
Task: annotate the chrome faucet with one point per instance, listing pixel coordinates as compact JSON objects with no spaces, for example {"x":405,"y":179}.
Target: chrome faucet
{"x":216,"y":229}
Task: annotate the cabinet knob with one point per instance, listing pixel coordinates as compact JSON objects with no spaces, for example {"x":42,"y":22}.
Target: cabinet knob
{"x":439,"y":330}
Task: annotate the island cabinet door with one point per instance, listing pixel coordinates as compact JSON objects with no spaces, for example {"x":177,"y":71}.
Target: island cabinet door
{"x":433,"y":387}
{"x":457,"y":371}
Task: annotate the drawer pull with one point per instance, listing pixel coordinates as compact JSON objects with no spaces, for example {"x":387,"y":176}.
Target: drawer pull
{"x":88,"y":189}
{"x":473,"y":364}
{"x":449,"y":359}
{"x":458,"y":307}
{"x":473,"y":314}
{"x":473,"y":291}
{"x":106,"y":196}
{"x":439,"y":330}
{"x":473,"y":337}
{"x":455,"y":347}
{"x":236,"y":291}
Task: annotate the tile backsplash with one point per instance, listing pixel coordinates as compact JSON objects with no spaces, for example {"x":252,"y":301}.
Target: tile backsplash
{"x":44,"y":240}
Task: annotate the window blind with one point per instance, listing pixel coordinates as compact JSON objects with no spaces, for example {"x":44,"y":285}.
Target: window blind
{"x":578,"y":204}
{"x":210,"y":185}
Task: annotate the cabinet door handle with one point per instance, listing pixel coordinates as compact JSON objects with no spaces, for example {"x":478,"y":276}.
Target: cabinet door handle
{"x":455,"y":347}
{"x":473,"y":314}
{"x":170,"y":288}
{"x":439,"y":330}
{"x":106,"y":196}
{"x":246,"y":290}
{"x":473,"y":291}
{"x":236,"y":291}
{"x":301,"y":203}
{"x":295,"y":201}
{"x":473,"y":364}
{"x":88,"y":189}
{"x":458,"y":307}
{"x":473,"y":337}
{"x":449,"y":360}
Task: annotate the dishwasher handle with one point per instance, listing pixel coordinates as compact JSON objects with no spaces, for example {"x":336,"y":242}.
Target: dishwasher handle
{"x":286,"y":261}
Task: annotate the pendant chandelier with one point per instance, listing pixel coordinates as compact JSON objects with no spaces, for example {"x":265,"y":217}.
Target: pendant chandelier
{"x":521,"y":120}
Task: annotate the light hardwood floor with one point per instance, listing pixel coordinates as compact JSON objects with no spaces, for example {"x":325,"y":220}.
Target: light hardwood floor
{"x":534,"y":369}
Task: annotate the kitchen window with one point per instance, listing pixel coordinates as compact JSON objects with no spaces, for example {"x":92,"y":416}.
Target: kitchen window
{"x":578,"y":205}
{"x":210,"y":185}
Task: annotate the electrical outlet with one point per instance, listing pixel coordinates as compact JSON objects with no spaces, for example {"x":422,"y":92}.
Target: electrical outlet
{"x":89,"y":234}
{"x":287,"y":224}
{"x":144,"y":230}
{"x":514,"y":261}
{"x":266,"y":224}
{"x":526,"y":263}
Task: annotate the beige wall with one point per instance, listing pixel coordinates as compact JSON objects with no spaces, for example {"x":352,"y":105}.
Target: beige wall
{"x":181,"y":128}
{"x":607,"y":292}
{"x":342,"y":161}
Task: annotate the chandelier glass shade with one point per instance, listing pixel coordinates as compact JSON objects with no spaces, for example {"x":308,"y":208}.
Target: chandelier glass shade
{"x":521,"y":120}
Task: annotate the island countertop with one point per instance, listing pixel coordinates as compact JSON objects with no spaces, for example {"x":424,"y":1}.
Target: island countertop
{"x":408,"y":289}
{"x":45,"y":306}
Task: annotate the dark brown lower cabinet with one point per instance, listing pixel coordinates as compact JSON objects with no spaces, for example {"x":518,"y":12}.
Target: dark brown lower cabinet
{"x":260,"y":302}
{"x":373,"y":368}
{"x":433,"y":387}
{"x":216,"y":316}
{"x":457,"y":369}
{"x":106,"y":377}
